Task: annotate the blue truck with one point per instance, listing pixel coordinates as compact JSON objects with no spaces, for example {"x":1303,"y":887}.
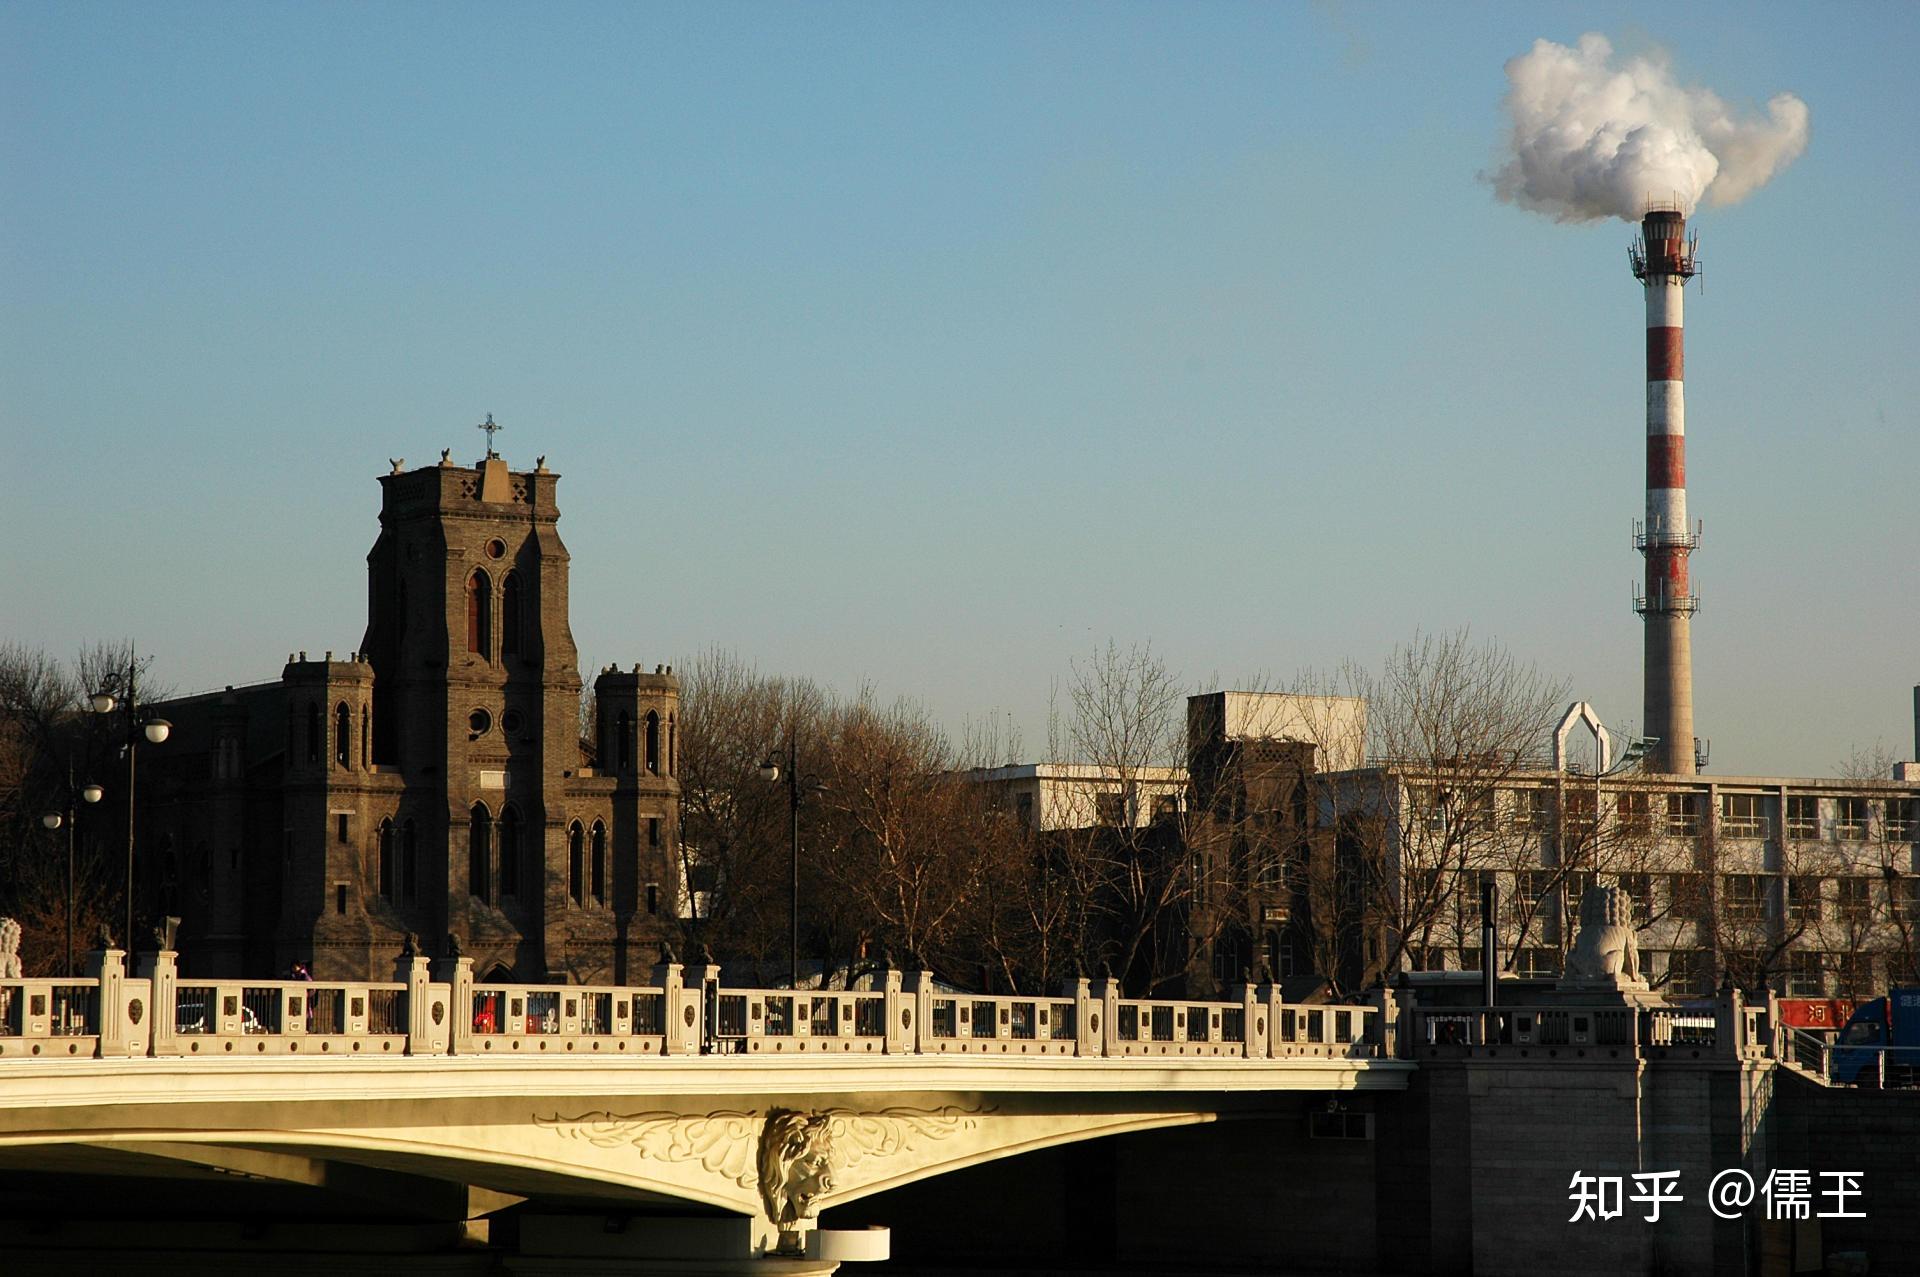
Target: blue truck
{"x":1886,"y":1027}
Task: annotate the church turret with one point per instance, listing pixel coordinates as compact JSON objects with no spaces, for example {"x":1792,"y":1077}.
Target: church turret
{"x":328,"y":808}
{"x":636,"y":752}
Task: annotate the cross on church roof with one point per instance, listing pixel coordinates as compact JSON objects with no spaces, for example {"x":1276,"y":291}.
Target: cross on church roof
{"x":489,"y":426}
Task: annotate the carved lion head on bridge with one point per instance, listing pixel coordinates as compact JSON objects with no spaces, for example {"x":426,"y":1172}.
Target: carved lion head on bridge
{"x":796,"y":1165}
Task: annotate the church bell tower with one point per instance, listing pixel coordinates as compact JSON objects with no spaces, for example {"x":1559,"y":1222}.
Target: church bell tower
{"x":476,"y":692}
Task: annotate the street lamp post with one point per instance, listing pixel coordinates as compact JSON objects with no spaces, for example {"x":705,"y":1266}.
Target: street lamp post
{"x":88,"y":793}
{"x":1637,"y":747}
{"x":770,"y":771}
{"x":154,"y":730}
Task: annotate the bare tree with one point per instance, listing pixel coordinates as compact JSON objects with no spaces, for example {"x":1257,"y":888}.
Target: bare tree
{"x":1117,"y":883}
{"x":905,"y":839}
{"x":733,"y":825}
{"x":1452,"y":726}
{"x":1867,"y":762}
{"x":49,"y":743}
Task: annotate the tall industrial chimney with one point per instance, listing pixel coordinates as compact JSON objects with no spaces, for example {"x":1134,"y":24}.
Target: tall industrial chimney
{"x":1663,"y":260}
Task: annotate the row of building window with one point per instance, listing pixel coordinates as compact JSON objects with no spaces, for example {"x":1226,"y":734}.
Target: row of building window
{"x":494,"y":859}
{"x":1116,"y":810}
{"x":318,"y":738}
{"x":1743,"y":897}
{"x":656,"y":748}
{"x":651,"y":753}
{"x":1853,"y":818}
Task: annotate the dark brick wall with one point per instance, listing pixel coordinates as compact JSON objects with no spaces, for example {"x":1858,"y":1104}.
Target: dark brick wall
{"x":1817,"y":1128}
{"x":1249,"y":1191}
{"x":1245,"y":1194}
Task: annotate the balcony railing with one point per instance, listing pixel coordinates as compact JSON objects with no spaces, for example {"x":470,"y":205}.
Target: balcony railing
{"x":1745,"y":826}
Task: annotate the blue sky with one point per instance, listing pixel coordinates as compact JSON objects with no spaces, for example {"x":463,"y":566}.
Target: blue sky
{"x":931,"y":347}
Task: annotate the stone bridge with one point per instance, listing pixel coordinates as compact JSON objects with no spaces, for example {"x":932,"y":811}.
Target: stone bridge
{"x":726,"y":1119}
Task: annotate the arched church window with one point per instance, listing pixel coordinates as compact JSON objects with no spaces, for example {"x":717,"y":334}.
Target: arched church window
{"x":510,"y":615}
{"x":672,"y":761}
{"x":313,"y":731}
{"x":623,"y":734}
{"x":386,"y":860}
{"x":342,"y":734}
{"x":479,"y":852}
{"x":575,"y":861}
{"x":653,"y":742}
{"x":510,"y":852}
{"x":599,"y":863}
{"x":479,"y":614}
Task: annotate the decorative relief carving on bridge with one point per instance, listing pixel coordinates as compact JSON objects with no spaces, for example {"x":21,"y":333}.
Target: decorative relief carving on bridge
{"x":790,"y":1156}
{"x":799,"y":1152}
{"x":721,"y":1141}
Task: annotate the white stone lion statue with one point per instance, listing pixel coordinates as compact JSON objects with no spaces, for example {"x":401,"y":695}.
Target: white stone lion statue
{"x":1605,"y":949}
{"x":10,"y":950}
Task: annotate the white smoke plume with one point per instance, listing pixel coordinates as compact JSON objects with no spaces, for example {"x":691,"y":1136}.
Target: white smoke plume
{"x":1592,"y":139}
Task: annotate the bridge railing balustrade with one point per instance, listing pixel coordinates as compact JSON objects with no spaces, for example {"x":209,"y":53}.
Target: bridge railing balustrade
{"x":281,"y":1018}
{"x":1005,"y":1025}
{"x":1233,"y":1024}
{"x":1060,"y":1020}
{"x":1463,"y":1030}
{"x":674,"y":1016}
{"x":1678,"y":1026}
{"x":509,"y":1019}
{"x":596,"y":1012}
{"x":730,"y":1013}
{"x":1336,"y":1032}
{"x":49,"y":1017}
{"x":809,"y":1021}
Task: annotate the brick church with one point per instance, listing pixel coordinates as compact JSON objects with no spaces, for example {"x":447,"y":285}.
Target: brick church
{"x":436,"y":781}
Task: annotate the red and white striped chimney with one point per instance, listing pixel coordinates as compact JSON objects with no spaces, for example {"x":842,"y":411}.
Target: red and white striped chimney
{"x":1663,"y":260}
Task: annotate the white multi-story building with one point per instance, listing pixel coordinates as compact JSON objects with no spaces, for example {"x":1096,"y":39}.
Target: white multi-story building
{"x":1051,"y":796}
{"x":1809,"y":886}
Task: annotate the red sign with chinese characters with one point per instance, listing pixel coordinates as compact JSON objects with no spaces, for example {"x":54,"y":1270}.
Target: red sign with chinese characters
{"x":1816,"y":1013}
